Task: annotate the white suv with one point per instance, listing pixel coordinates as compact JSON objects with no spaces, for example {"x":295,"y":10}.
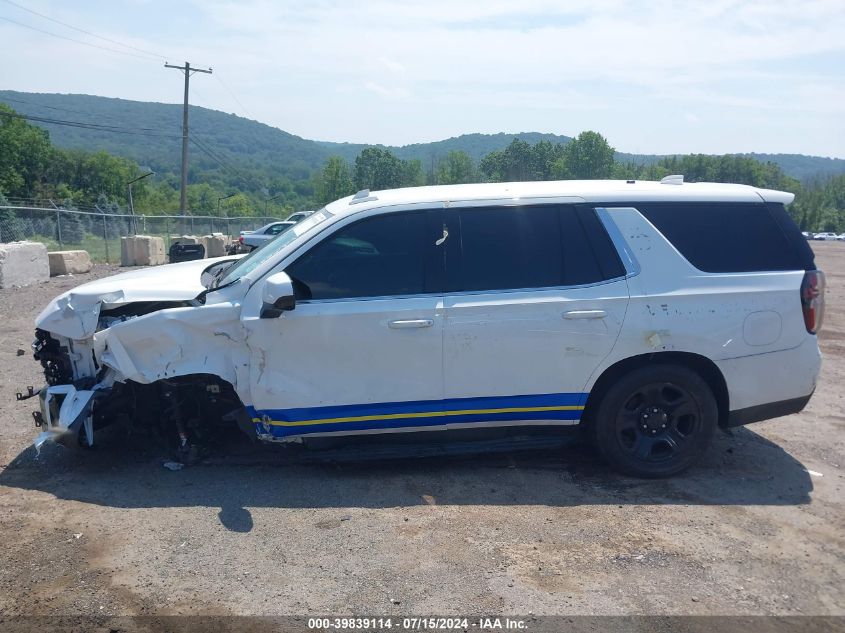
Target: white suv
{"x":647,"y":313}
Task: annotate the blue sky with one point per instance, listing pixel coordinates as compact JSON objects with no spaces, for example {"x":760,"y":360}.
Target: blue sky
{"x":653,"y":76}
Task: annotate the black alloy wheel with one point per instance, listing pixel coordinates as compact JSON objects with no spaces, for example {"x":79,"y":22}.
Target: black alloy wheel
{"x":656,"y":421}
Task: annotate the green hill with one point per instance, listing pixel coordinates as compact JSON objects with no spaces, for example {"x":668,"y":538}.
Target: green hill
{"x":476,"y":145}
{"x":149,"y":133}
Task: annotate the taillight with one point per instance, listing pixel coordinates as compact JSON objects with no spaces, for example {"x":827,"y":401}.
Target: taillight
{"x":812,"y":300}
{"x":241,"y":239}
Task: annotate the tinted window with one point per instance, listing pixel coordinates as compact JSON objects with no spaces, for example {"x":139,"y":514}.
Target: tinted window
{"x":580,"y":265}
{"x":724,"y":237}
{"x":802,"y":249}
{"x":375,"y":257}
{"x":602,"y":246}
{"x":525,"y":247}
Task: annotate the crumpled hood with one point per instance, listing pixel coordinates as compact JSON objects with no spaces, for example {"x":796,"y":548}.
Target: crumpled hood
{"x":74,"y":314}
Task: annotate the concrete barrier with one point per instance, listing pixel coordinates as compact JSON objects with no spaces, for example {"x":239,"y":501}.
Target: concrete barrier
{"x":149,"y":251}
{"x":142,"y":250}
{"x":127,"y":251}
{"x":23,"y":263}
{"x":69,"y":262}
{"x":215,"y":245}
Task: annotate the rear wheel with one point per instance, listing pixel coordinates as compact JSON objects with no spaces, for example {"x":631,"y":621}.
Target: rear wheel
{"x":656,"y":421}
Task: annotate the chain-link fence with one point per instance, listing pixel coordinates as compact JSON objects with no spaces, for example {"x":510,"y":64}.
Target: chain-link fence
{"x":99,"y":231}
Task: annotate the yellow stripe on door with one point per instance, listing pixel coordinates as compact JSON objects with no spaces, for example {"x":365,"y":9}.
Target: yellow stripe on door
{"x":428,"y":414}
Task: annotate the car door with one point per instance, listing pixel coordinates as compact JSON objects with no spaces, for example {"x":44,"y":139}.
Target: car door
{"x":363,"y":349}
{"x":536,"y":302}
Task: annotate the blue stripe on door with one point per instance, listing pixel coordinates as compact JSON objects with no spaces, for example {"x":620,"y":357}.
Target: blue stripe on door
{"x":387,"y":415}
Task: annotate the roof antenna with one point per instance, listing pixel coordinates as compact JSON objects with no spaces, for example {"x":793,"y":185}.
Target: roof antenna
{"x":677,"y":179}
{"x":362,"y":196}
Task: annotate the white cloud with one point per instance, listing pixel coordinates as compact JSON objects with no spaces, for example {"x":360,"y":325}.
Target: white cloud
{"x":388,"y":92}
{"x":392,"y":65}
{"x":347,"y":71}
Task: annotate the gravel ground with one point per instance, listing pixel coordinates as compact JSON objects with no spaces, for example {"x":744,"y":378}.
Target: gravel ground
{"x":757,"y":528}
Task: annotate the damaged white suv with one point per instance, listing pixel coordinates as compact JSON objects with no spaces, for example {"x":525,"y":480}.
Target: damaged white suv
{"x":648,"y":313}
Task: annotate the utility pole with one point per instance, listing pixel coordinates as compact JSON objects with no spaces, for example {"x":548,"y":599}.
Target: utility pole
{"x":188,"y":71}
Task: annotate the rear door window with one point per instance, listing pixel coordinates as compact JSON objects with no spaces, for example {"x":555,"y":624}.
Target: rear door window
{"x":541,"y":246}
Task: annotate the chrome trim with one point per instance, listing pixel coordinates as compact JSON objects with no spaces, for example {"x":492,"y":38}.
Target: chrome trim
{"x":404,"y":324}
{"x":629,"y":260}
{"x":584,"y":314}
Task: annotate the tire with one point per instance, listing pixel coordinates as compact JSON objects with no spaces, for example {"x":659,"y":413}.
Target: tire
{"x":656,"y":421}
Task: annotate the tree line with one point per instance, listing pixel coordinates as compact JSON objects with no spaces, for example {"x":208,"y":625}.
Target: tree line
{"x":31,"y":167}
{"x":818,"y":206}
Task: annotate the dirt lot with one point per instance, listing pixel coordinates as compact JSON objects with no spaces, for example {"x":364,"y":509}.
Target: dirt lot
{"x":758,"y":528}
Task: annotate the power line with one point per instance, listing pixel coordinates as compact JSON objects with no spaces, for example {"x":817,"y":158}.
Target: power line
{"x":90,"y":126}
{"x":99,"y":115}
{"x":244,"y":178}
{"x":75,"y":28}
{"x":70,"y":39}
{"x":214,"y":157}
{"x":234,"y":96}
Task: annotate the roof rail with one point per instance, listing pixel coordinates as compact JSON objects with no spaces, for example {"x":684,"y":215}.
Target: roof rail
{"x":362,"y":196}
{"x":677,"y":179}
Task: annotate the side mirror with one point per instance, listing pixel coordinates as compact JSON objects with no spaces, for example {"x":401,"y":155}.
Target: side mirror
{"x":277,"y":296}
{"x":209,"y":273}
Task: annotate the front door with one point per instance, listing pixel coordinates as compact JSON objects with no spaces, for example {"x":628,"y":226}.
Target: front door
{"x":363,"y":349}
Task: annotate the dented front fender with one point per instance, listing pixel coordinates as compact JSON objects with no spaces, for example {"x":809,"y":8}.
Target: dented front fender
{"x":205,"y":339}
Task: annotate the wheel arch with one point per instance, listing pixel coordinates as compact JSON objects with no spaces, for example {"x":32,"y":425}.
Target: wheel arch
{"x":702,"y":365}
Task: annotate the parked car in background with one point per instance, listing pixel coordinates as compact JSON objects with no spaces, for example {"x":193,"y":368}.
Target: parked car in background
{"x":298,"y":216}
{"x":254,"y":239}
{"x":827,"y":236}
{"x":638,"y":312}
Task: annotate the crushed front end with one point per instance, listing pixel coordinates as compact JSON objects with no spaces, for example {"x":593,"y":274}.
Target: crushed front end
{"x":75,"y":381}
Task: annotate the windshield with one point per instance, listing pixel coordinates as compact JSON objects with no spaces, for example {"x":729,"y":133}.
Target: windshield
{"x":269,"y":249}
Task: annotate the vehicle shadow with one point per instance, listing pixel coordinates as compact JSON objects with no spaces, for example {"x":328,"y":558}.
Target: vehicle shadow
{"x":742,"y":469}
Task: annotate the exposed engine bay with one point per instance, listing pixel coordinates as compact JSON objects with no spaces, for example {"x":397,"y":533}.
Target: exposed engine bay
{"x":185,"y":411}
{"x":153,"y":357}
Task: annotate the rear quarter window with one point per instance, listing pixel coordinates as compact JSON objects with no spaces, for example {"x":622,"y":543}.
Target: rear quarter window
{"x":727,"y":237}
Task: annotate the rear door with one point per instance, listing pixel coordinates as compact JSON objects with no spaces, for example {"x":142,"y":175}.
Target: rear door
{"x":536,"y":301}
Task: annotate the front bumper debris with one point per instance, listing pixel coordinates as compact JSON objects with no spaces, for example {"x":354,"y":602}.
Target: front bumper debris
{"x":30,"y":393}
{"x":64,"y":411}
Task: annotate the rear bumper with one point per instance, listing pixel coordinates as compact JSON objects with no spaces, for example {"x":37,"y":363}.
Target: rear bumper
{"x":771,"y":385}
{"x":767,"y":411}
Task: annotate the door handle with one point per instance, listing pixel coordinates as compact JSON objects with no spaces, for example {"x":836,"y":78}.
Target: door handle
{"x":585,"y":314}
{"x":410,"y":323}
